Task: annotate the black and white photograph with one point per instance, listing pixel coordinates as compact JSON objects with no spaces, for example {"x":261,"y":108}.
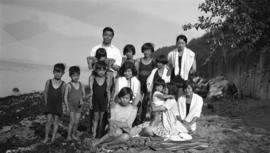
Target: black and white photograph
{"x":134,"y":76}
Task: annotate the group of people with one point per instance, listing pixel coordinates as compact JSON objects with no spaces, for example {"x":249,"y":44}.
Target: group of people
{"x":128,"y":89}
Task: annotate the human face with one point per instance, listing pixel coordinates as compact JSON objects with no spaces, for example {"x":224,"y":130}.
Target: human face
{"x":75,"y":77}
{"x":181,"y":44}
{"x":107,"y":37}
{"x":129,"y":54}
{"x":188,"y":91}
{"x":125,"y":100}
{"x":128,"y":73}
{"x":101,"y":72}
{"x":160,"y":65}
{"x":58,"y":74}
{"x":147,"y":53}
{"x":159,"y":88}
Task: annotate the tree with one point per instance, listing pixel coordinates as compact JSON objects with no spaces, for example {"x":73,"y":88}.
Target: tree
{"x":235,"y":23}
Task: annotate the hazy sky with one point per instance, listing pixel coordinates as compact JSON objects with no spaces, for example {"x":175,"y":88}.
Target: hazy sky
{"x":50,"y":31}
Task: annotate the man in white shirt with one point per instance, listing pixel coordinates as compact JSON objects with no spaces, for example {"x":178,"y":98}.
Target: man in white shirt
{"x":113,"y":52}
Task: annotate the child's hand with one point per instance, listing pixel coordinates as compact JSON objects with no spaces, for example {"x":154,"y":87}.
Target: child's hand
{"x":90,"y":106}
{"x":81,"y":102}
{"x":111,"y":62}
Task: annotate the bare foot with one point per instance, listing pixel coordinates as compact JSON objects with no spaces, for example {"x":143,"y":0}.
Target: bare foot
{"x":45,"y":140}
{"x":68,"y":138}
{"x":53,"y":139}
{"x":93,"y":147}
{"x":75,"y":138}
{"x":94,"y":135}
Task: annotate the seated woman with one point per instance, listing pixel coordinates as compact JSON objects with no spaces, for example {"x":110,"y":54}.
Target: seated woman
{"x":189,"y":107}
{"x":178,"y":117}
{"x":128,"y":78}
{"x":123,"y":115}
{"x":168,"y":125}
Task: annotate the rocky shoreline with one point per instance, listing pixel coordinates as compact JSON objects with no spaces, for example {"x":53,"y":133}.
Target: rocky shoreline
{"x":225,"y":126}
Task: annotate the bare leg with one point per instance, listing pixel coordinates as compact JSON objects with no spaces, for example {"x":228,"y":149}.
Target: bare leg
{"x":74,"y":132}
{"x":109,"y":136}
{"x":95,"y":124}
{"x":71,"y":124}
{"x":48,"y":127}
{"x":122,"y":139}
{"x":55,"y":127}
{"x":104,"y":139}
{"x":144,"y":107}
{"x":147,"y":131}
{"x":100,"y":123}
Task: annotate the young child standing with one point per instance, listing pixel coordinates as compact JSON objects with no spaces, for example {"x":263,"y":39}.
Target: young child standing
{"x":99,"y":85}
{"x":74,"y":94}
{"x":123,"y":115}
{"x":53,"y":96}
{"x":160,"y":95}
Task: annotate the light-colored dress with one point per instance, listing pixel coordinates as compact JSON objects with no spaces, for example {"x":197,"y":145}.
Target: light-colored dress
{"x":124,"y":114}
{"x":134,"y":84}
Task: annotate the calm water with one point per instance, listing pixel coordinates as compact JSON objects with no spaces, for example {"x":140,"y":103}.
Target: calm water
{"x":29,"y":77}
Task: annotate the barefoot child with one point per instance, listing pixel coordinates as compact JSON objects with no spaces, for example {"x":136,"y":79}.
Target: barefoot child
{"x":160,"y":95}
{"x":74,"y":94}
{"x":122,"y":116}
{"x":99,"y":86}
{"x":53,"y":96}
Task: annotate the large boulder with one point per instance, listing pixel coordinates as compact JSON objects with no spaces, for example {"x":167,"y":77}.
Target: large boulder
{"x":220,"y":87}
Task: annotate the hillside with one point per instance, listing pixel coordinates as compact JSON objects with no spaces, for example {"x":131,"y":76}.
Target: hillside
{"x":248,"y":68}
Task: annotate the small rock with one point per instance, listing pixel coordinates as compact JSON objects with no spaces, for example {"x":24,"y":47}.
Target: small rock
{"x":5,"y":129}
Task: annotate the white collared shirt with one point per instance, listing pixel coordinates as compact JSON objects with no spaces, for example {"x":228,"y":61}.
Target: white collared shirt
{"x":112,"y":52}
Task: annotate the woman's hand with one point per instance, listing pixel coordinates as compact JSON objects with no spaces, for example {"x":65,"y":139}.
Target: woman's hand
{"x":90,"y":106}
{"x":187,"y":125}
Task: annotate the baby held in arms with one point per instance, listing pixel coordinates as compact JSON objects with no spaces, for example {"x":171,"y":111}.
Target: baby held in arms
{"x":159,"y":97}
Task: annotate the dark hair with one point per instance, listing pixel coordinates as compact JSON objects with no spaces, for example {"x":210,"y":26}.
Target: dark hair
{"x":108,"y":29}
{"x":73,"y":70}
{"x":98,"y":66}
{"x":183,"y":37}
{"x":159,"y":82}
{"x":59,"y":66}
{"x":162,"y":59}
{"x":125,"y":91}
{"x":147,"y":46}
{"x":128,"y":65}
{"x":128,"y":48}
{"x":101,"y":52}
{"x":188,"y":83}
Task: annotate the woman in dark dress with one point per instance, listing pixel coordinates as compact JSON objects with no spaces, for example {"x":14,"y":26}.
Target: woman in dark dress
{"x":144,"y":67}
